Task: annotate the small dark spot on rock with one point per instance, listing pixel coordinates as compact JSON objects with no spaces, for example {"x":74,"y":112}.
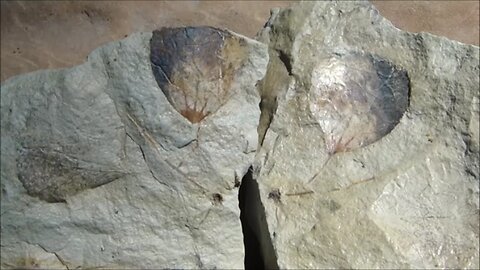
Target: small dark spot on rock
{"x":114,"y":59}
{"x":286,"y":60}
{"x":86,"y":13}
{"x":125,"y":36}
{"x":362,"y":164}
{"x":275,"y":195}
{"x":236,"y":182}
{"x":333,"y":206}
{"x":453,"y":99}
{"x":217,"y":199}
{"x":470,"y":172}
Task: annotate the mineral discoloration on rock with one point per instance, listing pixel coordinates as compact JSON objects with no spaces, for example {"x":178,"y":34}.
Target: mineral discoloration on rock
{"x":195,"y":67}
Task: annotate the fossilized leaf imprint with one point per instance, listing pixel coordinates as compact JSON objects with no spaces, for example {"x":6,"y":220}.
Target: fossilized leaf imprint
{"x":357,"y":99}
{"x":195,"y":67}
{"x":53,"y":176}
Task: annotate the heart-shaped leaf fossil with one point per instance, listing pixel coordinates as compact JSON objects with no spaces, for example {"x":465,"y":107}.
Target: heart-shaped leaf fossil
{"x":357,"y":99}
{"x":195,"y":67}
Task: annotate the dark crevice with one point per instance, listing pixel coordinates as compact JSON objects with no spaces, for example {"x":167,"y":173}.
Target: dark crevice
{"x":286,"y":60}
{"x":273,"y":85}
{"x":259,"y":252}
{"x":267,"y":112}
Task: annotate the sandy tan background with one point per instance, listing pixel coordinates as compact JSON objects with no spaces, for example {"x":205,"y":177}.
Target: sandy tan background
{"x":53,"y":34}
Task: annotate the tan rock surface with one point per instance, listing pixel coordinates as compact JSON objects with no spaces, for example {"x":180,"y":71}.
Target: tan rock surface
{"x":456,"y":20}
{"x":46,"y":34}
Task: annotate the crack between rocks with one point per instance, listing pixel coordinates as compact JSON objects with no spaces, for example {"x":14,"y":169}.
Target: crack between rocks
{"x":274,"y":84}
{"x":259,"y":251}
{"x":286,"y":60}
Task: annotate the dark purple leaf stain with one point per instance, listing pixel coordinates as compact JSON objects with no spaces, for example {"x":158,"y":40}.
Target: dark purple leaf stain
{"x":195,"y":67}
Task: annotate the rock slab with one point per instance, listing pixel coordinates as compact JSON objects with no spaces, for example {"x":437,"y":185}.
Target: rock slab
{"x":348,"y":182}
{"x":99,"y":167}
{"x":365,"y":149}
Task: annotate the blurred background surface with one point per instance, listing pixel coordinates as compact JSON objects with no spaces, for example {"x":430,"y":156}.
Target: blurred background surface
{"x":56,"y":34}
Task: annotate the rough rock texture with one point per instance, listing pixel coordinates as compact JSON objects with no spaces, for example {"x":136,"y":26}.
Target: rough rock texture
{"x":409,"y":198}
{"x":99,"y":168}
{"x":365,"y":150}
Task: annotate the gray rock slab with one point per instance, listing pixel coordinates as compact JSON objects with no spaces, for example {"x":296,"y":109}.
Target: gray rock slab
{"x":337,"y":192}
{"x":99,"y":169}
